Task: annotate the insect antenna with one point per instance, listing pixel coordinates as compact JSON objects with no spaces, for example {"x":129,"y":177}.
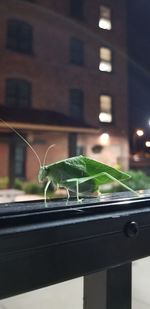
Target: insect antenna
{"x":23,"y":140}
{"x":51,"y":146}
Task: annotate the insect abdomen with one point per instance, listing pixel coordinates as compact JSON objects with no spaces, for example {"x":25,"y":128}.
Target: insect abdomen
{"x":71,"y":168}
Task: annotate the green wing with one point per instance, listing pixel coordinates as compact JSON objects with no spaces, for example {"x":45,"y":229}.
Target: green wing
{"x":80,"y":167}
{"x":93,"y":167}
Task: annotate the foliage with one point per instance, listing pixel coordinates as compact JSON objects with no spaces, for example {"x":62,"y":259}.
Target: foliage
{"x":4,"y":182}
{"x":18,"y":184}
{"x":138,"y":181}
{"x":28,"y":187}
{"x":32,"y":188}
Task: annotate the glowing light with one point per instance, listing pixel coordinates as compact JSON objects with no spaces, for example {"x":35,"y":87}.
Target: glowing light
{"x":140,"y":132}
{"x":105,"y":66}
{"x":147,"y":143}
{"x":104,"y":139}
{"x":105,"y":24}
{"x":105,"y":117}
{"x":136,"y":158}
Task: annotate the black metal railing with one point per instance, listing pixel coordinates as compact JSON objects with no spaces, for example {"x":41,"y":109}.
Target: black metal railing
{"x":96,"y":239}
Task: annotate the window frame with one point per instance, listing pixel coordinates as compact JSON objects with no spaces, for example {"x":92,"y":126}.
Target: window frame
{"x":73,"y":9}
{"x":16,"y":97}
{"x":111,"y":17}
{"x":106,"y":61}
{"x":81,"y":103}
{"x":17,"y":143}
{"x":76,"y":51}
{"x":112,"y":109}
{"x":17,"y":38}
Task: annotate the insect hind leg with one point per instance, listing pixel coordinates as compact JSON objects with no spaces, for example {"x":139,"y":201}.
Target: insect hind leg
{"x":77,"y":182}
{"x":120,"y":182}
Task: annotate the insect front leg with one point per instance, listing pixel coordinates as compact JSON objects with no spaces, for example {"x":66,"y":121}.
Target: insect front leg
{"x":45,"y":192}
{"x":77,"y":191}
{"x":68,"y":194}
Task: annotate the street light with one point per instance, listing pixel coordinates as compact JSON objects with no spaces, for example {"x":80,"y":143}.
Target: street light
{"x":104,"y":139}
{"x":139,"y":132}
{"x":147,"y":144}
{"x":136,"y":135}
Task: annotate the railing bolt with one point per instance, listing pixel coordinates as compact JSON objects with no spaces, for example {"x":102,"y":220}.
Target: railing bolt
{"x":131,"y":229}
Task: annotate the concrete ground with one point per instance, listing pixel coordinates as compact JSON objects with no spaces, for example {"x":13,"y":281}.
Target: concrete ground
{"x":69,"y":295}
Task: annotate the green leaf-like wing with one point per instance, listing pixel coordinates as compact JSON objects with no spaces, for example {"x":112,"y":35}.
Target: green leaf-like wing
{"x":81,"y":167}
{"x":93,"y":167}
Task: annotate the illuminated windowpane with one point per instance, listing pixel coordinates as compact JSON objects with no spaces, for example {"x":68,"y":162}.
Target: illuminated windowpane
{"x":105,"y":54}
{"x":105,"y":59}
{"x":105,"y":18}
{"x":105,"y":66}
{"x":105,"y":109}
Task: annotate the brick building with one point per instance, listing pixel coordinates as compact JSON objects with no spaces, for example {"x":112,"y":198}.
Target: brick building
{"x":63,"y":81}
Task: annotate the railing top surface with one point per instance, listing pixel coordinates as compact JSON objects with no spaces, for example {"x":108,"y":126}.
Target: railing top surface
{"x":62,"y":204}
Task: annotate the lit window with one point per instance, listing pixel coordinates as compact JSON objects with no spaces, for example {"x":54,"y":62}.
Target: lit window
{"x":105,"y":18}
{"x":105,"y":59}
{"x":105,"y":108}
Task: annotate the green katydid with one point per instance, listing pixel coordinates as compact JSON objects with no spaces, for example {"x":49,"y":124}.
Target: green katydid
{"x":78,"y":174}
{"x":81,"y":175}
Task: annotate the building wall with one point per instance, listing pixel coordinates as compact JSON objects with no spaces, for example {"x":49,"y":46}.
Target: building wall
{"x":52,"y":75}
{"x":40,"y":142}
{"x":4,"y":159}
{"x":49,"y":69}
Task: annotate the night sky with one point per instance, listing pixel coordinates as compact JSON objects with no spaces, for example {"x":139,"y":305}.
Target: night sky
{"x":139,"y":63}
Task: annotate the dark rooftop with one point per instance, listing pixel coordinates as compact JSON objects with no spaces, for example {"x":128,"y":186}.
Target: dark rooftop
{"x":41,"y":117}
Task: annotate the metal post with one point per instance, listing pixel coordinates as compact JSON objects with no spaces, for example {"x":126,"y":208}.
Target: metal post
{"x":110,"y":289}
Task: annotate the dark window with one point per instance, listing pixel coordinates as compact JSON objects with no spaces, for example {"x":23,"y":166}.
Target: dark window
{"x":18,"y":93}
{"x":72,"y":144}
{"x":74,"y":148}
{"x":76,"y":103}
{"x":77,"y":9}
{"x":19,"y":36}
{"x":76,"y":51}
{"x":79,"y":150}
{"x":19,"y":160}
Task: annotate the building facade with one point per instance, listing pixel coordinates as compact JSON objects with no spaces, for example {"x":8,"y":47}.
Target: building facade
{"x":63,"y":81}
